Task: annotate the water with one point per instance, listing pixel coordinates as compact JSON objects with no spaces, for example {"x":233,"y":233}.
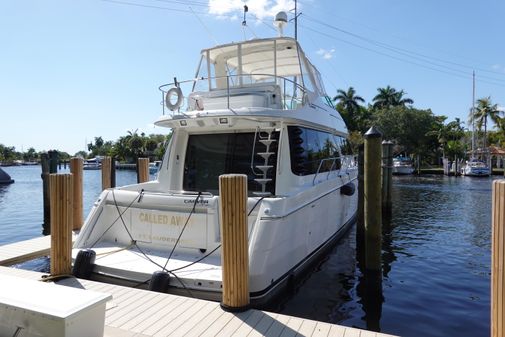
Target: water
{"x":436,"y":257}
{"x":436,"y":265}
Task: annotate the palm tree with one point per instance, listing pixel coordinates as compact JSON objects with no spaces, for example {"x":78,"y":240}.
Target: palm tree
{"x":399,"y":100}
{"x":384,"y":98}
{"x":388,"y":97}
{"x":350,"y":106}
{"x":486,"y":109}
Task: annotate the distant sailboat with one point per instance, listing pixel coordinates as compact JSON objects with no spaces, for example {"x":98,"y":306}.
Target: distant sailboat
{"x":476,"y":166}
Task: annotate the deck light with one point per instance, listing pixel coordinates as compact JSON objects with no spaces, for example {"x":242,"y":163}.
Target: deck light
{"x":223,"y":120}
{"x":183,"y":123}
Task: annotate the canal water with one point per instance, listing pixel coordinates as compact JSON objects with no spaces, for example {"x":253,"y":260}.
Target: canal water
{"x":436,"y":257}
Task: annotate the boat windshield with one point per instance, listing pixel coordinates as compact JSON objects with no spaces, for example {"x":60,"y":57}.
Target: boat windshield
{"x":258,"y":61}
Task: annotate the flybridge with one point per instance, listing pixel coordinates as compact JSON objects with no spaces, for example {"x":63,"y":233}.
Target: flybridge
{"x":264,"y":73}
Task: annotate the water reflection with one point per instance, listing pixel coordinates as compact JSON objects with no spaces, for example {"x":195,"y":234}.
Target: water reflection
{"x":435,"y":255}
{"x":435,"y":266}
{"x":3,"y":190}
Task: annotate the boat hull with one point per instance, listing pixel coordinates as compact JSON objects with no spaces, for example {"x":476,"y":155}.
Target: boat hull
{"x":403,"y":170}
{"x":284,"y":241}
{"x":476,"y":172}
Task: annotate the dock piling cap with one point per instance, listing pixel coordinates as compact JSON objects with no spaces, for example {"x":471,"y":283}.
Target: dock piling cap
{"x":373,"y":132}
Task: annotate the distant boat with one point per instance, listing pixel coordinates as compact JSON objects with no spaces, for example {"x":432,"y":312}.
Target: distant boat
{"x":5,"y":178}
{"x":402,"y":166}
{"x":92,"y":164}
{"x":476,"y":168}
{"x":154,"y":167}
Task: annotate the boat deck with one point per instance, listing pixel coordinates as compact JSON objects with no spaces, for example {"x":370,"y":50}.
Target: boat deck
{"x":140,"y":313}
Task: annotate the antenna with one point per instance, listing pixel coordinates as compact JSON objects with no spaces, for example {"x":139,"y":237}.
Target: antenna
{"x":281,"y":20}
{"x":296,"y":21}
{"x":246,"y":9}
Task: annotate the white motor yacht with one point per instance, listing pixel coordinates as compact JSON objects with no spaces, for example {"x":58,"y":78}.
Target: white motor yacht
{"x":476,"y":168}
{"x":402,"y":166}
{"x":257,"y":108}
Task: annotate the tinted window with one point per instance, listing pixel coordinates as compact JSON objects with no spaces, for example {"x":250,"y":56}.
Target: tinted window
{"x":209,"y":156}
{"x":313,"y":150}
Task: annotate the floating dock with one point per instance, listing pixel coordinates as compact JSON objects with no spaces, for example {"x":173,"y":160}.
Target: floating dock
{"x":141,"y":313}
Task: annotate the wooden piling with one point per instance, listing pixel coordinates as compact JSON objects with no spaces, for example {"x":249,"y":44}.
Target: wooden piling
{"x":360,"y":221}
{"x":234,"y":244}
{"x":76,"y":165}
{"x":387,"y":172}
{"x":142,"y":170}
{"x":113,"y":172}
{"x":498,"y":260}
{"x":44,"y":162}
{"x":372,"y":196}
{"x":61,"y":223}
{"x":106,"y":169}
{"x":53,"y":161}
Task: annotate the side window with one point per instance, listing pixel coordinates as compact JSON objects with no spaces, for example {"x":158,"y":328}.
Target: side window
{"x":313,"y":150}
{"x":298,"y":150}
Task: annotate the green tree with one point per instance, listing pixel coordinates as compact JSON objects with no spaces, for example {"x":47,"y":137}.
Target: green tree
{"x":100,"y":147}
{"x":388,"y":97}
{"x":349,"y":107}
{"x":30,"y":155}
{"x":485,"y":109}
{"x":81,"y":154}
{"x":7,"y":153}
{"x":409,"y":128}
{"x":448,"y":135}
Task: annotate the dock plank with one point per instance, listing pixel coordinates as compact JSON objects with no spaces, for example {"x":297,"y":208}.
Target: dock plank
{"x":181,"y":318}
{"x":307,"y":328}
{"x":149,"y":316}
{"x":169,"y":312}
{"x":321,"y":330}
{"x":263,"y":325}
{"x":278,"y":326}
{"x":23,"y":251}
{"x":235,"y":323}
{"x":336,"y":331}
{"x":140,"y":313}
{"x":351,"y":332}
{"x":201,"y":326}
{"x":201,"y":313}
{"x":217,"y":325}
{"x":292,"y":326}
{"x":249,"y":324}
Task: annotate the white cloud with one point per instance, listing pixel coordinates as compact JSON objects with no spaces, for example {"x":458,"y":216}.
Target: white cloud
{"x":498,"y":67}
{"x":326,"y":54}
{"x":260,"y":8}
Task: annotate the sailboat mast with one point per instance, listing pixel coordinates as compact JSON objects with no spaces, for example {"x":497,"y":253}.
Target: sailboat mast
{"x":473,"y":114}
{"x":296,"y":20}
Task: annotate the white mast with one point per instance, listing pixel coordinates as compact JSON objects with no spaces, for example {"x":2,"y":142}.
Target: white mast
{"x":473,"y":114}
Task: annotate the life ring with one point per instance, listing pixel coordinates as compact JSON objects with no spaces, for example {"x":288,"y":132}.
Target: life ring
{"x":168,"y":98}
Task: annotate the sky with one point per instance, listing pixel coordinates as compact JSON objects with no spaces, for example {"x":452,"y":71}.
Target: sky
{"x":74,"y":70}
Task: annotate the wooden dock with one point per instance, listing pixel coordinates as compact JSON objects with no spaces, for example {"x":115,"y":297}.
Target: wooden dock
{"x":23,"y":251}
{"x":19,"y":252}
{"x":141,"y":313}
